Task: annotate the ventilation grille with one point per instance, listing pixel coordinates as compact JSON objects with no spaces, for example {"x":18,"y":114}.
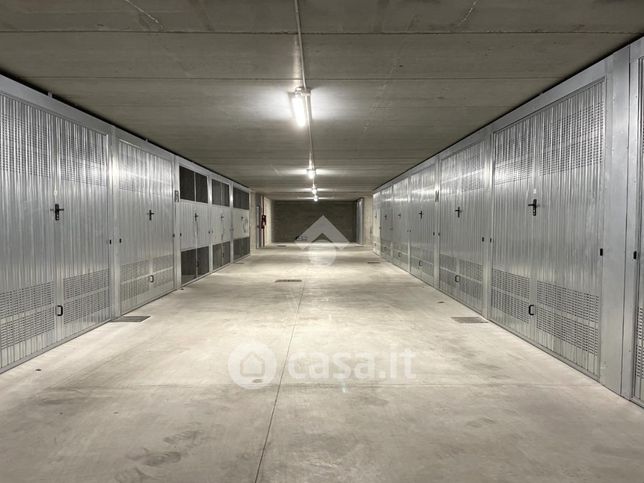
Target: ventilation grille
{"x":512,"y":306}
{"x":578,"y":304}
{"x":471,"y":162}
{"x":135,"y":270}
{"x":24,"y":328}
{"x":133,"y":288}
{"x":564,"y":136}
{"x":225,"y":253}
{"x":471,"y":288}
{"x":471,"y":270}
{"x":162,"y":263}
{"x":464,"y":168}
{"x":133,"y":168}
{"x":510,"y":294}
{"x":160,"y":176}
{"x":82,"y":307}
{"x":573,"y":332}
{"x":574,"y":131}
{"x":447,"y":262}
{"x":82,"y":153}
{"x":22,"y":300}
{"x":514,"y":149}
{"x":90,"y":282}
{"x":26,"y":137}
{"x":428,"y":269}
{"x":86,"y":294}
{"x":450,"y":176}
{"x":446,"y":278}
{"x":511,"y":283}
{"x":163,"y":277}
{"x":639,"y":348}
{"x":217,"y":257}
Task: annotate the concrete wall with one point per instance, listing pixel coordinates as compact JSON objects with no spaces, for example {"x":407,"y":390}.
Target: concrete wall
{"x":268,"y":211}
{"x":292,"y":218}
{"x":367,"y":218}
{"x":254,"y":222}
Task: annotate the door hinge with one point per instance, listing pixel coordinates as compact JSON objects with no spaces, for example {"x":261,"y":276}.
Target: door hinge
{"x":59,"y":311}
{"x":531,"y":308}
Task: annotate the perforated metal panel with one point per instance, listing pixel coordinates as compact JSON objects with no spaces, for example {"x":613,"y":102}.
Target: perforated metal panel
{"x":386,"y":222}
{"x":638,"y":349}
{"x":463,"y":221}
{"x":48,"y":161}
{"x":83,"y":251}
{"x":515,"y":149}
{"x":546,"y":282}
{"x":422,"y":220}
{"x":28,"y":171}
{"x":400,"y":224}
{"x":241,"y":248}
{"x":146,"y":225}
{"x":376,"y":225}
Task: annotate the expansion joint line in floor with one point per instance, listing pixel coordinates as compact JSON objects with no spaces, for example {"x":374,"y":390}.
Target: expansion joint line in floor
{"x":279,"y":385}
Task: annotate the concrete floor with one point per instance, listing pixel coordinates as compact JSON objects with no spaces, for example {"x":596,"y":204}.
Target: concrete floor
{"x":154,"y":401}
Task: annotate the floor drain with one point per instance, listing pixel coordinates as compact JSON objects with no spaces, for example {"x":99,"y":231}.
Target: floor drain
{"x":287,"y":280}
{"x":373,"y":262}
{"x":132,"y":318}
{"x":470,"y":320}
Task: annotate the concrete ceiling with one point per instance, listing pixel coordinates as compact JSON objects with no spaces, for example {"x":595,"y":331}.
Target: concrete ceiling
{"x":393,"y":81}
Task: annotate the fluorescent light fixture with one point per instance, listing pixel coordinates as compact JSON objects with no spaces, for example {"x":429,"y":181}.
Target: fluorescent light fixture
{"x":310,"y":173}
{"x":298,"y":103}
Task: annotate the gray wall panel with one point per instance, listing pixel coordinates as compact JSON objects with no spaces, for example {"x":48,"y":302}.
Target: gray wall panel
{"x":292,"y":218}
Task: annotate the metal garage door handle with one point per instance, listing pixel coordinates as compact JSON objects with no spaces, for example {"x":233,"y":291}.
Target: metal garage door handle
{"x":534,"y":207}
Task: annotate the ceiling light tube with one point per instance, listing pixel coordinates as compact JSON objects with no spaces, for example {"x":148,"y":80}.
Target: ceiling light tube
{"x":315,"y":198}
{"x":311,"y":173}
{"x":314,"y":190}
{"x":298,"y":103}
